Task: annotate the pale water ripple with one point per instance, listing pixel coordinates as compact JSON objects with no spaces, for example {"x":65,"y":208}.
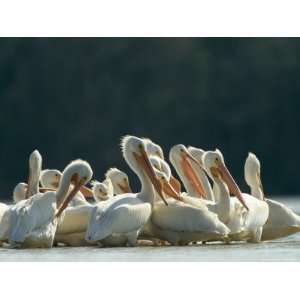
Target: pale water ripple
{"x":286,"y":249}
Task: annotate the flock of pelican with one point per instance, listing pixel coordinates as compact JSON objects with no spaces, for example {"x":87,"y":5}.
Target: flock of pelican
{"x":56,"y":208}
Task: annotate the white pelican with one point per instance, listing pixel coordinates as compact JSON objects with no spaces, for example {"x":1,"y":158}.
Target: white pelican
{"x":26,"y":190}
{"x":155,"y":150}
{"x":3,"y":222}
{"x":282,"y":221}
{"x":50,"y":179}
{"x":245,"y":215}
{"x":124,"y":216}
{"x":102,"y":190}
{"x":19,"y":192}
{"x":35,"y":219}
{"x":180,"y":223}
{"x":119,"y":180}
{"x":7,"y":212}
{"x":198,"y":153}
{"x":196,"y":183}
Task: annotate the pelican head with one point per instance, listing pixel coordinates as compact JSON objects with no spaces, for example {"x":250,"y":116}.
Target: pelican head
{"x":182,"y":160}
{"x":102,"y":190}
{"x":135,"y":153}
{"x":180,"y":152}
{"x":214,"y":164}
{"x":35,"y":160}
{"x":162,"y":166}
{"x":19,"y":192}
{"x":154,"y":149}
{"x":35,"y":166}
{"x":78,"y":173}
{"x":164,"y":175}
{"x":50,"y":178}
{"x":252,"y":172}
{"x":252,"y":169}
{"x":197,"y":153}
{"x":119,"y":181}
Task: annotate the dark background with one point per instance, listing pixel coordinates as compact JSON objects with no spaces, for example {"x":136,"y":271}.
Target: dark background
{"x":73,"y":98}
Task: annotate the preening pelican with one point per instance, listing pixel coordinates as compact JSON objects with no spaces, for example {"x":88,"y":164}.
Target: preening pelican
{"x":244,"y":214}
{"x":50,"y":179}
{"x":102,"y":190}
{"x":126,"y":215}
{"x":119,"y":180}
{"x":282,"y":221}
{"x":35,"y":219}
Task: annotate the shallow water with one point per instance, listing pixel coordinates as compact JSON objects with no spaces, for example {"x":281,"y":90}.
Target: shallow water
{"x":286,"y":249}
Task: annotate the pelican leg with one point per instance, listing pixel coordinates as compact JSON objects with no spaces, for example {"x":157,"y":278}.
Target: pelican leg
{"x":132,"y":238}
{"x":227,"y":240}
{"x":256,"y":237}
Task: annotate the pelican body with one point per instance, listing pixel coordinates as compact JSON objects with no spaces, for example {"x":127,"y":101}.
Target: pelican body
{"x":34,"y":220}
{"x":282,"y":221}
{"x":124,"y":216}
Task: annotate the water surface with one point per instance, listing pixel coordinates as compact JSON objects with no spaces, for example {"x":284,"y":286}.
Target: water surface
{"x":285,"y":249}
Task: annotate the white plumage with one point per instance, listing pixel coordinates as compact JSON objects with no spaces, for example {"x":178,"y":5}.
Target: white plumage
{"x":33,"y":221}
{"x":125,"y":215}
{"x":282,"y":221}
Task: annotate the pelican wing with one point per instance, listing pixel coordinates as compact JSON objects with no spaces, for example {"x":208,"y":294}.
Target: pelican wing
{"x":281,"y":215}
{"x":75,"y":219}
{"x":31,"y":214}
{"x":120,"y":215}
{"x":258,"y":212}
{"x":4,"y":221}
{"x":182,"y":217}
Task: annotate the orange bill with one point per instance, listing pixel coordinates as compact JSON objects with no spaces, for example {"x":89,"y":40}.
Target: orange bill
{"x":232,"y":185}
{"x":144,"y":162}
{"x":88,"y":193}
{"x":69,"y":198}
{"x":125,"y":188}
{"x":170,"y":191}
{"x":175,"y":184}
{"x":44,"y":190}
{"x":192,"y":177}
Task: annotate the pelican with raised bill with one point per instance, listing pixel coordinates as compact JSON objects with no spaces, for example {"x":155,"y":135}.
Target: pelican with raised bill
{"x":8,"y":212}
{"x":282,"y":221}
{"x":121,"y":219}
